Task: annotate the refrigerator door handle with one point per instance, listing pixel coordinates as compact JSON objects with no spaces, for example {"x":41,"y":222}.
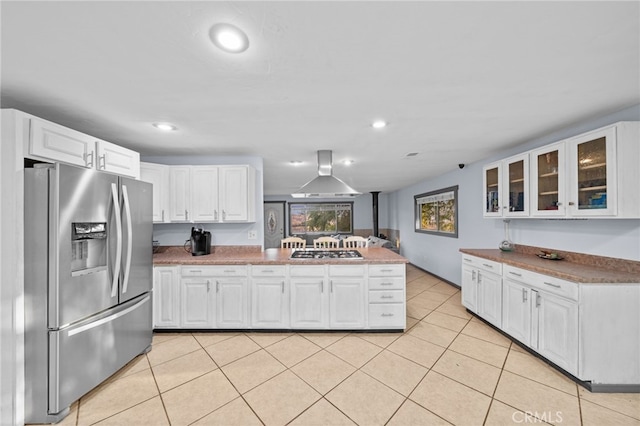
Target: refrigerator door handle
{"x":116,"y":266}
{"x":127,"y":265}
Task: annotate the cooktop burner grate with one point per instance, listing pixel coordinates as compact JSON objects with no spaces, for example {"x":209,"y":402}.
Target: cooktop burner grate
{"x":326,"y":254}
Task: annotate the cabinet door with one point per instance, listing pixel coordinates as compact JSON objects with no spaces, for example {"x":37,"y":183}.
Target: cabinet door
{"x":204,"y":194}
{"x":234,"y":193}
{"x":231,"y":303}
{"x":490,"y":297}
{"x":166,"y":297}
{"x":592,"y":183}
{"x":158,"y":176}
{"x":58,"y":143}
{"x":548,"y":173}
{"x":516,"y":186}
{"x":116,"y":159}
{"x":179,"y":193}
{"x":309,"y":300}
{"x":197,"y":303}
{"x":269,"y":307}
{"x":470,"y":288}
{"x":558,"y":330}
{"x":516,"y":311}
{"x":347,"y":303}
{"x":492,"y":178}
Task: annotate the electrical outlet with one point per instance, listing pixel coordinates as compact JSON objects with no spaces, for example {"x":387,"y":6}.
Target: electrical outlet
{"x":253,"y":235}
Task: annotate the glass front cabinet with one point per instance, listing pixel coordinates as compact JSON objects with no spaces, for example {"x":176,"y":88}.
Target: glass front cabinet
{"x":548,"y":171}
{"x":506,"y":187}
{"x":592,"y":174}
{"x":492,"y":177}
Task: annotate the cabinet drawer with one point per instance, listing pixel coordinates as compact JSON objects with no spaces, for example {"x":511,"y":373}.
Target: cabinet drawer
{"x":214,"y":271}
{"x":480,"y":263}
{"x":306,"y":271}
{"x":386,"y":296}
{"x":386,"y":315}
{"x":543,"y":282}
{"x":269,"y":270}
{"x":347,"y":271}
{"x":386,"y":270}
{"x":391,"y":283}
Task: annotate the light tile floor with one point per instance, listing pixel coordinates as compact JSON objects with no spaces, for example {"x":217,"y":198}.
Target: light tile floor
{"x":446,"y":368}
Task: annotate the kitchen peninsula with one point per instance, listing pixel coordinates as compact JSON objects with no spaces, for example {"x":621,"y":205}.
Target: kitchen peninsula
{"x":239,"y":287}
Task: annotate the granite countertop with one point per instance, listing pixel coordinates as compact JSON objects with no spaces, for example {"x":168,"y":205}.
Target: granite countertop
{"x":576,"y":267}
{"x":252,"y":255}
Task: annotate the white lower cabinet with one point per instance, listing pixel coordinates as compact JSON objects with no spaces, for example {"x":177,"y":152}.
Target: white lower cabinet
{"x":387,"y":299}
{"x":269,"y":297}
{"x":542,"y":321}
{"x":347,"y":296}
{"x":590,"y":330}
{"x":482,"y":288}
{"x":280,"y":297}
{"x":198,"y":302}
{"x":309,"y":297}
{"x":166,"y":297}
{"x":232,"y":303}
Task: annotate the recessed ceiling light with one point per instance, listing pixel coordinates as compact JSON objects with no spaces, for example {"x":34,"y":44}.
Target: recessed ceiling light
{"x":379,"y":124}
{"x":167,"y":127}
{"x":229,"y":38}
{"x":296,"y":163}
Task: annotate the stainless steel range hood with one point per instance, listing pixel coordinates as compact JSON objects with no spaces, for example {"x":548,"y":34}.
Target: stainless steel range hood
{"x":325,"y":185}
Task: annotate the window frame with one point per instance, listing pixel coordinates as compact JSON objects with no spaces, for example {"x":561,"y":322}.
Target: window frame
{"x":335,"y":203}
{"x":417,"y":212}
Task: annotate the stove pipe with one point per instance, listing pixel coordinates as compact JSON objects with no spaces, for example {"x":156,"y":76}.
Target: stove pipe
{"x":375,"y":212}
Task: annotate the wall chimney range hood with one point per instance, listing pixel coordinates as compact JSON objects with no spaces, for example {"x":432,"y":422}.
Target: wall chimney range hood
{"x":325,"y":185}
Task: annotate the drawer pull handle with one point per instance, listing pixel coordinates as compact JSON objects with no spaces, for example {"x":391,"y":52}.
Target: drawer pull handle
{"x":466,"y":259}
{"x":229,"y":271}
{"x":195,"y":271}
{"x":386,"y":283}
{"x":386,"y":297}
{"x":487,"y":265}
{"x":553,"y":285}
{"x":267,"y":271}
{"x":386,"y":270}
{"x":515,"y":273}
{"x":386,"y":315}
{"x":282,"y":286}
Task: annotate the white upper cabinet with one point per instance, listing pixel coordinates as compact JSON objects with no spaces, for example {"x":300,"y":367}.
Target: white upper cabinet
{"x":158,"y":176}
{"x":204,"y":194}
{"x":210,"y":194}
{"x":592,"y":174}
{"x":492,"y":184}
{"x":57,"y":143}
{"x":116,"y":159}
{"x":506,"y":187}
{"x":595,"y":174}
{"x":179,"y":193}
{"x":548,"y":172}
{"x":237,"y":194}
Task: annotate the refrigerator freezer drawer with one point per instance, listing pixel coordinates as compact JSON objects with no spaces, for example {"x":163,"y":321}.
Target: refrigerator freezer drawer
{"x":84,"y":355}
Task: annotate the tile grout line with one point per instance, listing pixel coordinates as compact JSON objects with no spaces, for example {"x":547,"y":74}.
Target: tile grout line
{"x":166,"y":413}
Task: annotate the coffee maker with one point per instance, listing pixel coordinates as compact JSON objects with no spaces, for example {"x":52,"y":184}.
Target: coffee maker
{"x":200,"y":242}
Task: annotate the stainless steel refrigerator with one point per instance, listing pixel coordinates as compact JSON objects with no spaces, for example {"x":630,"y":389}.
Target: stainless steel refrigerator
{"x":88,"y":282}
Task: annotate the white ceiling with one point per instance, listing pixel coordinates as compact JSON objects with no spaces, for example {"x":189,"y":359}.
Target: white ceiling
{"x":457,"y":81}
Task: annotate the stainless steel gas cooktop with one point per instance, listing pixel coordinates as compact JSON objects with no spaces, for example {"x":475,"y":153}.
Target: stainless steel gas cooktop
{"x":326,"y":254}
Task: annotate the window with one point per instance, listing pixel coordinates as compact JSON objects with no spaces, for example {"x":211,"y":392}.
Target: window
{"x":320,"y":218}
{"x":437,"y":212}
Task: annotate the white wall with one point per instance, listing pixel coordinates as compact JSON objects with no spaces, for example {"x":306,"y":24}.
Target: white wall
{"x":437,"y":254}
{"x":11,"y":271}
{"x":226,"y":234}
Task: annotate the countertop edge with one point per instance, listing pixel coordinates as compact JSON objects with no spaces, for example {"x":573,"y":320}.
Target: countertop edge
{"x":563,"y":269}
